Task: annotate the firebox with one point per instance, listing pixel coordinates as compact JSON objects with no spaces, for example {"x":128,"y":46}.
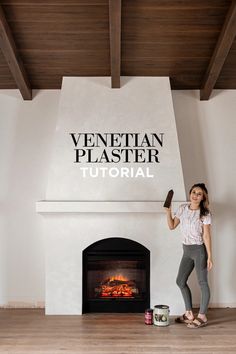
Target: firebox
{"x":116,"y":276}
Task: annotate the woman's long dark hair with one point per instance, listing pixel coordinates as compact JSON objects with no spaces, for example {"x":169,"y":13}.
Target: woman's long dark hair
{"x":204,"y":204}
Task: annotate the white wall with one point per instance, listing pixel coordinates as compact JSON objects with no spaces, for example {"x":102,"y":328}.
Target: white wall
{"x":207,"y":136}
{"x":26,"y":130}
{"x":207,"y":142}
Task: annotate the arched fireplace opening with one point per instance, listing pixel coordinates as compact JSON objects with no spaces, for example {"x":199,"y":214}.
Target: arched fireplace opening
{"x":116,"y":276}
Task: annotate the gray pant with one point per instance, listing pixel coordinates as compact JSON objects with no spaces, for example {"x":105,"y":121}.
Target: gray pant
{"x":194,"y":256}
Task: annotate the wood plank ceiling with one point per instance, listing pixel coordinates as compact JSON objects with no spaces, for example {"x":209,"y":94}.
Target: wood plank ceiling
{"x":182,"y":39}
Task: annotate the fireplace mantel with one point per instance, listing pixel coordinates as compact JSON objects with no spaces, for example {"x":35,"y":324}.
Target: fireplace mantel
{"x":73,"y":206}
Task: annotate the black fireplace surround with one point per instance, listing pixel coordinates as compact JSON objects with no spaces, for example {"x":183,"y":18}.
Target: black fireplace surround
{"x":116,"y":276}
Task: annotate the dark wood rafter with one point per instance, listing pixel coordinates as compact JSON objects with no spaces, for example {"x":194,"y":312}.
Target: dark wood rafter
{"x":159,"y":38}
{"x":221,"y":51}
{"x":115,"y":41}
{"x":11,"y":55}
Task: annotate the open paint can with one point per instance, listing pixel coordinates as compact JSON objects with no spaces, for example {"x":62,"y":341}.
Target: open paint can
{"x":161,"y":315}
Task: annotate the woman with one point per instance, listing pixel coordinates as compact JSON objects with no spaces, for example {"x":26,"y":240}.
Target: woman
{"x":195,"y":222}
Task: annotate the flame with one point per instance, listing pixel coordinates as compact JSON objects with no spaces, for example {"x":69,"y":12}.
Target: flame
{"x":118,"y":277}
{"x":116,"y":291}
{"x":109,"y":289}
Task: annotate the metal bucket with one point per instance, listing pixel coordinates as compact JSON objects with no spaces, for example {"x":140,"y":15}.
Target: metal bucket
{"x":161,"y":315}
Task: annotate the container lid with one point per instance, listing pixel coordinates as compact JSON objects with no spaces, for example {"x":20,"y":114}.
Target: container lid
{"x":161,"y":306}
{"x":148,"y":310}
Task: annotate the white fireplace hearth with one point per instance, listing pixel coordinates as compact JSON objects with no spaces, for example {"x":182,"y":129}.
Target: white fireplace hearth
{"x":79,"y":210}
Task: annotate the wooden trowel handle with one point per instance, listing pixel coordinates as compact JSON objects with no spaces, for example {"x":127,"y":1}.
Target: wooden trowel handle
{"x":168,"y":199}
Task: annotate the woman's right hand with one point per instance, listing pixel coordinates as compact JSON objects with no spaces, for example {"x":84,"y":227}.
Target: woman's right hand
{"x":168,"y":210}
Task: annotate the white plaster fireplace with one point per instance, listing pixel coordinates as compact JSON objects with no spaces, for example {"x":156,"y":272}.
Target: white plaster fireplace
{"x":79,"y":211}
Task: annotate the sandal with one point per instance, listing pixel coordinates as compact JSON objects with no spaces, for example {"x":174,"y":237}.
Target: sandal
{"x":197,"y":323}
{"x":183,"y":319}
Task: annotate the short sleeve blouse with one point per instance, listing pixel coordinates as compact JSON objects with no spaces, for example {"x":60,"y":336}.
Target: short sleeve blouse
{"x":191,"y":225}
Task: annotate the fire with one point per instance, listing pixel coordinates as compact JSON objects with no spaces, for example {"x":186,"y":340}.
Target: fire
{"x":117,"y":286}
{"x":116,"y":291}
{"x":118,"y":277}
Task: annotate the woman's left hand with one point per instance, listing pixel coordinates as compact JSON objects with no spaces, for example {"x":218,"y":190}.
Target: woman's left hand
{"x":209,"y":264}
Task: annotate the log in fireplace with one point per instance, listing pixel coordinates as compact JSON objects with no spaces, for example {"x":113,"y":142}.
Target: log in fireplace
{"x":116,"y":276}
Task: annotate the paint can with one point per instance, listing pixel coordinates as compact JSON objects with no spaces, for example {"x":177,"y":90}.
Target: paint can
{"x":161,"y":315}
{"x":149,"y":317}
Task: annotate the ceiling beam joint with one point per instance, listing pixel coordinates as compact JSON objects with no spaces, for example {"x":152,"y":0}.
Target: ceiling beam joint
{"x":115,"y":41}
{"x":220,"y":53}
{"x":12,"y":57}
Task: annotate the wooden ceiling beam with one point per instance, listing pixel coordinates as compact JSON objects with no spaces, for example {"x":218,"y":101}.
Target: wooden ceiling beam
{"x":115,"y":41}
{"x":11,"y":55}
{"x":220,"y":53}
